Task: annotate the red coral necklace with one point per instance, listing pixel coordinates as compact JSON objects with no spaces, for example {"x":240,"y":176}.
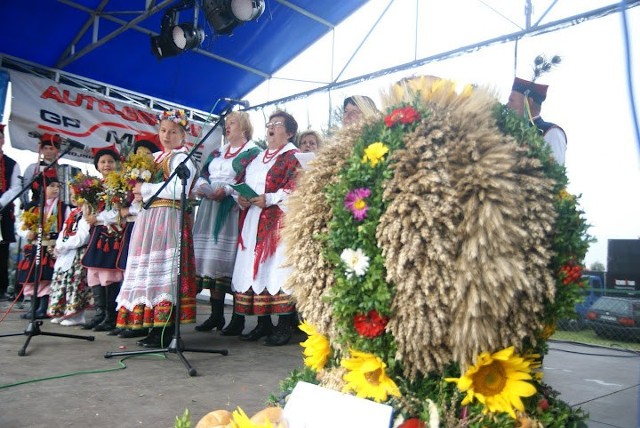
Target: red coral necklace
{"x":268,"y":156}
{"x":229,"y":154}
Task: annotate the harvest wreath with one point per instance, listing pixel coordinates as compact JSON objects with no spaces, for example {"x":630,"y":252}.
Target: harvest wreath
{"x":433,"y":251}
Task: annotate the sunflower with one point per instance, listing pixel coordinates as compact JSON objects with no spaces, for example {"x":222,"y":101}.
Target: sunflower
{"x":367,"y":377}
{"x":241,"y":420}
{"x":316,"y":348}
{"x":497,"y":381}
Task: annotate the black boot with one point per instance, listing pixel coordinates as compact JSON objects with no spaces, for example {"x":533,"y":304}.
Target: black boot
{"x":235,"y":327}
{"x":34,"y":301}
{"x":99,"y":302}
{"x":43,"y":304}
{"x":157,"y":338}
{"x":264,"y":328}
{"x":109,"y":321}
{"x":216,"y":319}
{"x":282,"y":333}
{"x":130,"y":333}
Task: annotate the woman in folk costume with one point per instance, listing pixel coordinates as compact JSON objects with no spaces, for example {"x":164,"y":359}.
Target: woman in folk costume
{"x":259,"y":275}
{"x":148,"y":292}
{"x":69,"y":290}
{"x":54,"y":214}
{"x":147,"y":144}
{"x":102,"y":251}
{"x":215,"y":232}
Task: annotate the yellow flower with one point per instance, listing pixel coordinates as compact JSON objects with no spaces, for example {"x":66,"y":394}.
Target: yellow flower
{"x":564,"y":195}
{"x":374,"y":153}
{"x":367,"y":377}
{"x":498,"y":381}
{"x":547,"y":331}
{"x":316,"y":348}
{"x":535,"y":363}
{"x":241,"y":420}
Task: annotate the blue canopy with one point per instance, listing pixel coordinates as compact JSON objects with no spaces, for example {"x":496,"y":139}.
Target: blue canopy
{"x":108,"y":41}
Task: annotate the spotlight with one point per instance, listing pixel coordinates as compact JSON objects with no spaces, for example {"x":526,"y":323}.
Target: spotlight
{"x":187,"y":36}
{"x":225,"y":15}
{"x":175,"y":39}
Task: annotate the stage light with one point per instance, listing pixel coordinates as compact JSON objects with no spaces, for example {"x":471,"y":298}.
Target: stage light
{"x":187,"y":36}
{"x":247,"y":10}
{"x":175,"y":39}
{"x":225,"y":15}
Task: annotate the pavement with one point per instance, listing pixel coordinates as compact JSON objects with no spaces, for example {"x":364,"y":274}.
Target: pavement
{"x":68,"y":382}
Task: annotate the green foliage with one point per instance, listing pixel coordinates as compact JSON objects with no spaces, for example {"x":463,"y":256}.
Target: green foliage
{"x":570,"y":235}
{"x":304,"y":374}
{"x":183,"y":421}
{"x":355,"y":295}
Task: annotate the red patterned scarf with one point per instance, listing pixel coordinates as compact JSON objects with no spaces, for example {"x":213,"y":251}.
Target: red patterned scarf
{"x":281,"y":176}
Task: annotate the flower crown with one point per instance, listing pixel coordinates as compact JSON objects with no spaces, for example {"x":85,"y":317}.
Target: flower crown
{"x":178,"y":117}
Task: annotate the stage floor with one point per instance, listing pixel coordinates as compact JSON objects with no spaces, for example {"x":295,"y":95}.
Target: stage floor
{"x":85,"y":389}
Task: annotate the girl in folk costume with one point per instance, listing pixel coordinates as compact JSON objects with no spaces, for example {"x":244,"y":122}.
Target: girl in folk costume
{"x":148,"y":292}
{"x":147,"y":144}
{"x":54,"y":214}
{"x":102,"y":251}
{"x":69,"y":290}
{"x":259,"y":275}
{"x":215,"y":232}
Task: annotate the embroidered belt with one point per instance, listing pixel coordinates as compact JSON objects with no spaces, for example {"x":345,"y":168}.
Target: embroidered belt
{"x":167,"y":203}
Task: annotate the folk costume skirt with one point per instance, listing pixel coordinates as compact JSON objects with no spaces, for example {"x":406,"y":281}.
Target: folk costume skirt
{"x":215,"y":255}
{"x":148,"y":293}
{"x":70,"y":293}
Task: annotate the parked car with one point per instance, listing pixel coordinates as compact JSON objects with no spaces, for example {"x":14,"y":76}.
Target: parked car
{"x":593,"y":289}
{"x":615,"y":318}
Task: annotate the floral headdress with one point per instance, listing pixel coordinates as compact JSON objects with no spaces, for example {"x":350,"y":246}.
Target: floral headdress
{"x":178,"y":116}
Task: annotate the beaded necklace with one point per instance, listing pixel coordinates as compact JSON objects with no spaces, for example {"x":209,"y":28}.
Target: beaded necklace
{"x":266,"y":158}
{"x":229,"y":154}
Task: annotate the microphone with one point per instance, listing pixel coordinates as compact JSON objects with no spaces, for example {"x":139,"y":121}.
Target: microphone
{"x":243,"y":103}
{"x":72,"y":143}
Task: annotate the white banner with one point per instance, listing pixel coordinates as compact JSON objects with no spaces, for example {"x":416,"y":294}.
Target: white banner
{"x":43,"y":106}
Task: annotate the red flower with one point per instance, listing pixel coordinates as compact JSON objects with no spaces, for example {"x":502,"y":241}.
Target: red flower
{"x":370,"y":325}
{"x":412,"y":423}
{"x":570,"y":273}
{"x":543,"y":404}
{"x":404,"y":115}
{"x":215,"y":154}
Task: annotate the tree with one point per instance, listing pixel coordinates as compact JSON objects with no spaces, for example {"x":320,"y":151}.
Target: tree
{"x":597,"y":266}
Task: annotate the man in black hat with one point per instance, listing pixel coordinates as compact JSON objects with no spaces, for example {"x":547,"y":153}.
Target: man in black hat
{"x":9,"y":188}
{"x":526,"y":99}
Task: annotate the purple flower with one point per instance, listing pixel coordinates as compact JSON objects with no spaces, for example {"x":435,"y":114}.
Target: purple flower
{"x":355,"y":202}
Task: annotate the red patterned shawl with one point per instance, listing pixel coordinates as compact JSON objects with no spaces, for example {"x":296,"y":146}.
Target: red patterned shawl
{"x":281,"y":176}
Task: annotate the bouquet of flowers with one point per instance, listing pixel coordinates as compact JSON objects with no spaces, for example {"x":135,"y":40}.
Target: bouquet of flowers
{"x":89,"y":191}
{"x":31,"y":220}
{"x":136,"y":168}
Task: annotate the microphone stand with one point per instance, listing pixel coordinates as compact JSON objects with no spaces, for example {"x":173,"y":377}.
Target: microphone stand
{"x":33,"y":328}
{"x":176,"y":346}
